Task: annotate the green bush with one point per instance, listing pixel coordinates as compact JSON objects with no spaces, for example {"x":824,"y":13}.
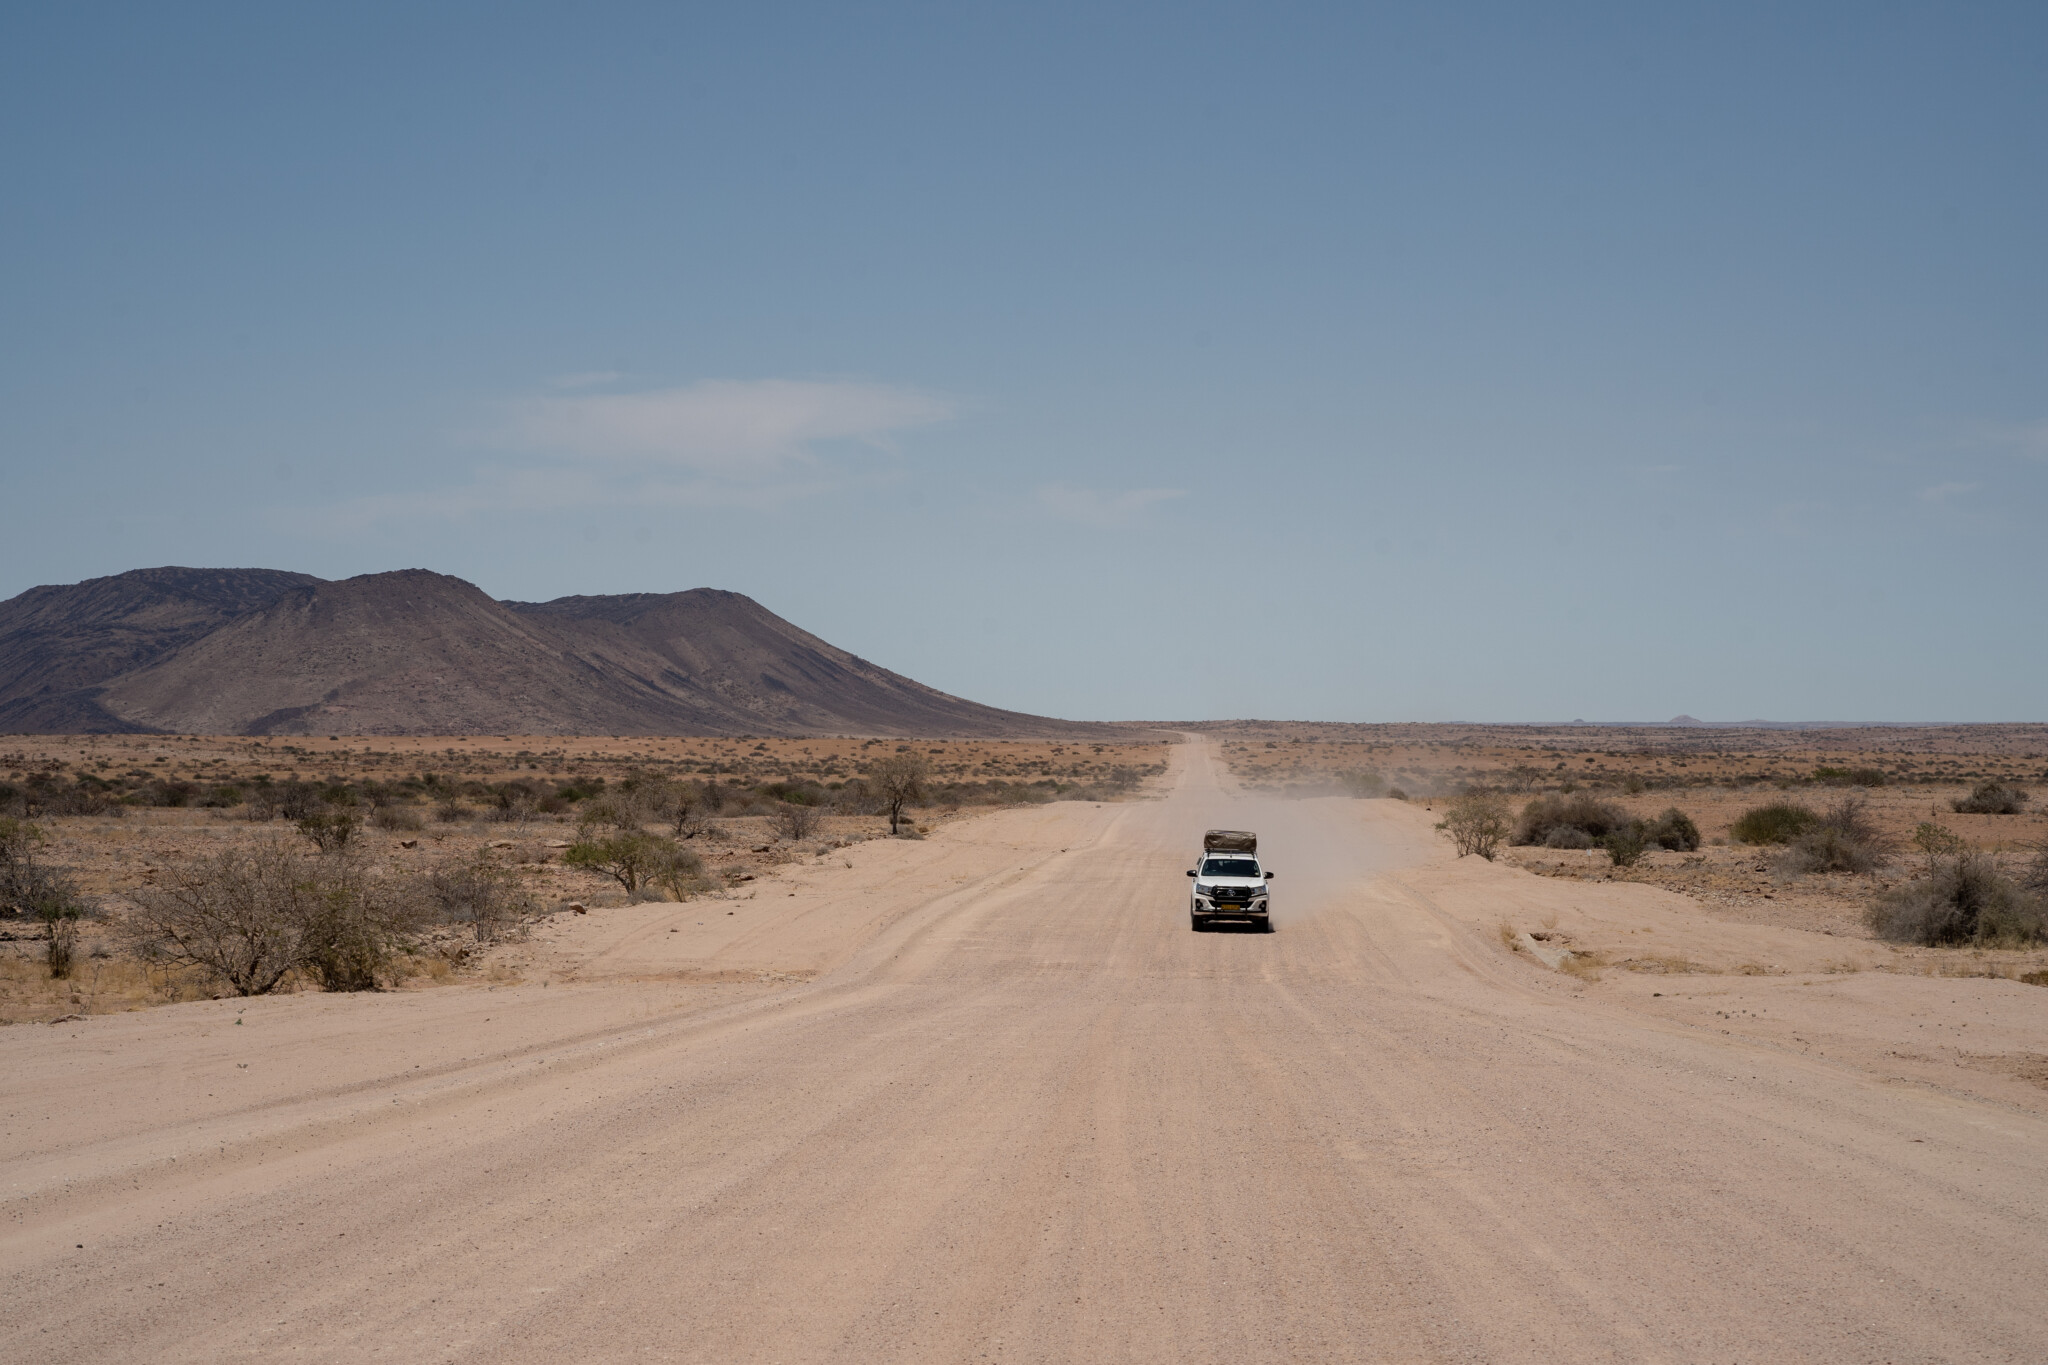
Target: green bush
{"x":1849,"y":777}
{"x":1574,"y":821}
{"x":1991,"y":798}
{"x":629,"y":857}
{"x":1675,"y":830}
{"x":1778,"y":823}
{"x":1627,"y":845}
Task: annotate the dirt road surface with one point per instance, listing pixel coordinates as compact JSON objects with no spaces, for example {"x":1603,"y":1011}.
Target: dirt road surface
{"x":987,"y":1098}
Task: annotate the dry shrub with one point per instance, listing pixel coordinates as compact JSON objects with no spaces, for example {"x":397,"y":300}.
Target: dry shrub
{"x":1964,"y":901}
{"x":795,"y":822}
{"x":360,"y":922}
{"x":624,"y":811}
{"x":1849,"y":777}
{"x":244,"y":916}
{"x":1476,"y":822}
{"x":1991,"y":798}
{"x":1575,"y":821}
{"x":680,"y":873}
{"x":685,"y":807}
{"x":389,"y":816}
{"x":1844,"y":839}
{"x":1780,"y":822}
{"x":250,"y":917}
{"x":31,"y":888}
{"x":2035,"y":878}
{"x":330,"y":831}
{"x":479,"y":893}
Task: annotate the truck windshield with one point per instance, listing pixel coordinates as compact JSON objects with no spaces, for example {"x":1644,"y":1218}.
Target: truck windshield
{"x":1230,"y":867}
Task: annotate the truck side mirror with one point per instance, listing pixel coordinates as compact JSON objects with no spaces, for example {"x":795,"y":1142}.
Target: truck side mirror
{"x":1191,"y":872}
{"x":1269,"y":876}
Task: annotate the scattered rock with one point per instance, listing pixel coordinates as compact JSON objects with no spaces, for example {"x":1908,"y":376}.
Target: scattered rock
{"x":408,"y":843}
{"x":578,"y":908}
{"x":66,"y":1019}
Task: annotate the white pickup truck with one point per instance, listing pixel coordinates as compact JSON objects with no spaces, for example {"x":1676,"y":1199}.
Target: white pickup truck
{"x":1229,"y":883}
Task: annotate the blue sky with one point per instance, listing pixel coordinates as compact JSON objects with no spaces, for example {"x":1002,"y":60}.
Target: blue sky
{"x":1329,"y":362}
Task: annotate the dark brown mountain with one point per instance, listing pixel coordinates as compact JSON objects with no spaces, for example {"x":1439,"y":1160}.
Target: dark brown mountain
{"x":413,"y":652}
{"x":60,"y":645}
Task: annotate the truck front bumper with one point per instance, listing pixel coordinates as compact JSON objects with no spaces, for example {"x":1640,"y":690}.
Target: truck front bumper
{"x":1205,"y":909}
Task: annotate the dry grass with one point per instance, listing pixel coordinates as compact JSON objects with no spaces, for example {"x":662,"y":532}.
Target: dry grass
{"x":1586,"y":966}
{"x":98,"y":985}
{"x":1662,"y":964}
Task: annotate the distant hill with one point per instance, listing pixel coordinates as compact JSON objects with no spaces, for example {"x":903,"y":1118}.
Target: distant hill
{"x":255,"y":651}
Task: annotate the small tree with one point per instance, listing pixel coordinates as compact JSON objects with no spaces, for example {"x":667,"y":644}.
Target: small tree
{"x":1477,"y":823}
{"x":629,"y":857}
{"x":1939,"y":844}
{"x":680,"y":806}
{"x":896,"y":781}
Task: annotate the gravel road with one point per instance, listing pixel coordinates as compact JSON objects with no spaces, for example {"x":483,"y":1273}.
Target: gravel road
{"x":1025,"y":1115}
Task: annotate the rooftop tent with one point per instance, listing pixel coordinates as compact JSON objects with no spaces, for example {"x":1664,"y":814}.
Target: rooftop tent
{"x":1230,"y":841}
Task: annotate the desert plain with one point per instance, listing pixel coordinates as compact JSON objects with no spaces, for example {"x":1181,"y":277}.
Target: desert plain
{"x":981,"y":1094}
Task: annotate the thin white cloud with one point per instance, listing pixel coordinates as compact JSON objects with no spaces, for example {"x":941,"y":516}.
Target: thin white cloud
{"x":1942,"y":492}
{"x":723,"y":428}
{"x":1102,"y":508}
{"x":725,"y":443}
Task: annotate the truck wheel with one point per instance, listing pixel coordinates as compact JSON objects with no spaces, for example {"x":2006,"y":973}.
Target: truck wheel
{"x":1266,"y":925}
{"x":1194,"y":921}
